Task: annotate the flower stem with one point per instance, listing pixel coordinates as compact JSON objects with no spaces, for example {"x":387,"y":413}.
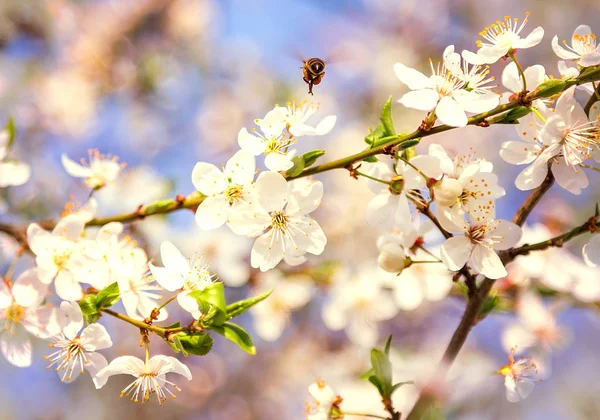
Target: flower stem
{"x":372,"y":178}
{"x":171,"y":299}
{"x":141,"y":324}
{"x":593,"y":98}
{"x":536,"y":112}
{"x":431,"y":254}
{"x":374,"y":416}
{"x":511,"y":54}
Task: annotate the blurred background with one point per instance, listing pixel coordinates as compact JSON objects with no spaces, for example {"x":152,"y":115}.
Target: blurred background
{"x":163,"y":84}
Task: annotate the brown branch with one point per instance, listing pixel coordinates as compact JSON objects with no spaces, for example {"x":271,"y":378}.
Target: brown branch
{"x":593,"y":99}
{"x":532,"y":199}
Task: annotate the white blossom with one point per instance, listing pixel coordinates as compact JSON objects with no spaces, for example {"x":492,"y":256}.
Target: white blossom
{"x":501,"y":38}
{"x":12,"y":172}
{"x":293,"y":117}
{"x":98,"y":172}
{"x":76,"y":346}
{"x":583,"y":49}
{"x":520,"y":377}
{"x":150,"y":376}
{"x":325,"y":401}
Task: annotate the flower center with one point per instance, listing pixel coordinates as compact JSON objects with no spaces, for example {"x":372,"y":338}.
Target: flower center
{"x":234,"y":193}
{"x":61,"y":260}
{"x":584,"y":43}
{"x":503,"y":33}
{"x":481,"y":234}
{"x":14,"y":313}
{"x":69,"y":356}
{"x":147,"y":384}
{"x":579,"y":140}
{"x":277,"y":145}
{"x":279,"y":220}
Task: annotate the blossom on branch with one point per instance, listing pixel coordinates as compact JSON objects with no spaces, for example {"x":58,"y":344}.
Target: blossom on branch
{"x":583,"y":49}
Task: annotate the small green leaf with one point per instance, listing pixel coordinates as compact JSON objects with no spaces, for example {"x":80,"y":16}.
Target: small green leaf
{"x":215,"y":295}
{"x":89,"y":309}
{"x":375,"y":135}
{"x":367,"y":374}
{"x":108,"y":296}
{"x":173,"y":326}
{"x":399,"y":384}
{"x":241,"y":306}
{"x":512,"y":116}
{"x":311,"y":157}
{"x":297,"y":168}
{"x":408,"y":144}
{"x":11,"y":129}
{"x":386,"y":118}
{"x":198,"y":344}
{"x":371,"y":159}
{"x":236,"y":334}
{"x":388,"y":344}
{"x":176,"y":345}
{"x":375,"y":381}
{"x":489,"y":304}
{"x":550,"y":88}
{"x":383,"y":371}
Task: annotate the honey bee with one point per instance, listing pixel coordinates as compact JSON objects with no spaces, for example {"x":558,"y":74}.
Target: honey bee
{"x":313,"y":71}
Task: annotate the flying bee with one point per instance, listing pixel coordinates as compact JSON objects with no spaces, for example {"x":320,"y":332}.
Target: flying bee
{"x":313,"y":71}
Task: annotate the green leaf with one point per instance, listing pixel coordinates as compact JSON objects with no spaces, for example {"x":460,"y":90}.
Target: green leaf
{"x":375,"y":381}
{"x":173,"y":326}
{"x":388,"y":344}
{"x":311,"y":157}
{"x":375,"y":135}
{"x":408,"y":144}
{"x":198,"y":344}
{"x":550,"y":88}
{"x":297,"y":168}
{"x":489,"y":304}
{"x":11,"y":129}
{"x":236,"y":334}
{"x":371,"y":159}
{"x":383,"y":371}
{"x":386,"y":118}
{"x":399,"y":384}
{"x":215,"y":295}
{"x":176,"y":345}
{"x":512,"y":116}
{"x":89,"y":309}
{"x":108,"y":296}
{"x":241,"y":306}
{"x":367,"y":374}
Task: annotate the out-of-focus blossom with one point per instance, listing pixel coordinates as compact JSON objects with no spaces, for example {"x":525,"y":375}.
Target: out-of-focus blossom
{"x":520,"y":377}
{"x":502,"y":38}
{"x":290,"y":293}
{"x":76,"y":347}
{"x":356,"y":303}
{"x":445,"y":91}
{"x":182,"y":274}
{"x":537,"y":330}
{"x":21,"y":313}
{"x":12,"y":171}
{"x":390,"y":206}
{"x":327,"y":404}
{"x":583,"y":49}
{"x":150,"y":376}
{"x":225,"y":190}
{"x":479,"y":245}
{"x":294,"y":117}
{"x":282,"y":211}
{"x":98,"y":172}
{"x":591,"y":251}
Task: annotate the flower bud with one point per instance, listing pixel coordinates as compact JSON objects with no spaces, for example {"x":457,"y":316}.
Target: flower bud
{"x":550,"y":88}
{"x":392,"y":257}
{"x":446,"y":191}
{"x":397,"y":184}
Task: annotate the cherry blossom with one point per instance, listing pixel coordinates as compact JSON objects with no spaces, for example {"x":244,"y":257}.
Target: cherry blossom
{"x":294,"y":117}
{"x":502,"y":38}
{"x":21,"y":314}
{"x":185,"y":275}
{"x":150,"y":376}
{"x":77,"y":346}
{"x":447,"y":91}
{"x":520,"y":377}
{"x":12,"y":171}
{"x":325,"y":402}
{"x":100,"y":171}
{"x":225,"y":190}
{"x":583,"y":49}
{"x":282,"y":211}
{"x":479,"y":245}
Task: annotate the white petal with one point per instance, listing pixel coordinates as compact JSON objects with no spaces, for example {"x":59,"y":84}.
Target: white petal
{"x":511,"y":78}
{"x":67,"y":287}
{"x":408,"y":292}
{"x":278,"y":162}
{"x":167,"y":279}
{"x":477,"y":103}
{"x":14,"y":173}
{"x":414,"y":79}
{"x":70,"y":319}
{"x":488,"y":55}
{"x":166,"y":364}
{"x":95,"y":363}
{"x":251,"y":144}
{"x":381,"y":208}
{"x":524,"y":388}
{"x":75,"y":169}
{"x":572,"y":179}
{"x":95,"y":337}
{"x":532,"y":176}
{"x":561,"y":52}
{"x":173,"y":259}
{"x":326,"y":125}
{"x":16,"y":346}
{"x":487,"y":262}
{"x":402,"y":216}
{"x":241,"y":168}
{"x":534,"y":76}
{"x":266,"y":252}
{"x":307,"y":200}
{"x":591,"y":59}
{"x":208,"y":179}
{"x":510,"y":233}
{"x":424,"y":100}
{"x":429,"y":165}
{"x":534,"y":38}
{"x":455,"y":252}
{"x":272,"y":191}
{"x":591,"y":251}
{"x":516,"y":335}
{"x":120,"y":366}
{"x":511,"y":389}
{"x":212,"y":212}
{"x":28,"y":290}
{"x":518,"y":152}
{"x":451,"y":112}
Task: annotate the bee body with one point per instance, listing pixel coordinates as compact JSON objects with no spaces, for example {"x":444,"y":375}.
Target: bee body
{"x":313,"y":72}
